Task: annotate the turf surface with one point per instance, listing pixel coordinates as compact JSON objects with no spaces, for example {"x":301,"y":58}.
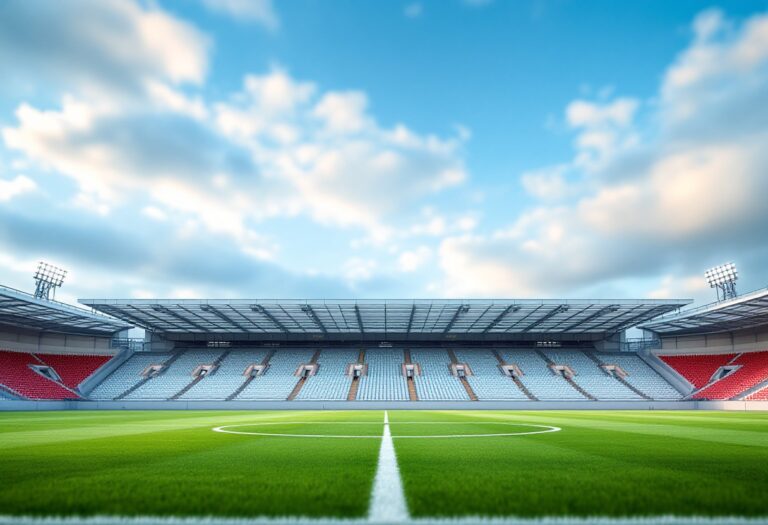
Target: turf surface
{"x":172,"y":463}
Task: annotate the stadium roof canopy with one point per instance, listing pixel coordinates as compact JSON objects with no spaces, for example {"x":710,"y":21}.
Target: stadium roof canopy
{"x":391,"y":320}
{"x":744,"y":312}
{"x":22,"y":310}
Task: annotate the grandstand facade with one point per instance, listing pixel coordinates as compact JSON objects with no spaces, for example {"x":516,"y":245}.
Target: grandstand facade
{"x":264,"y":353}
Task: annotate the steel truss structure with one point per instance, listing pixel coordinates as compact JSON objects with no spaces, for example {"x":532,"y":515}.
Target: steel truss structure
{"x":22,"y":310}
{"x":379,"y":320}
{"x":741,"y":313}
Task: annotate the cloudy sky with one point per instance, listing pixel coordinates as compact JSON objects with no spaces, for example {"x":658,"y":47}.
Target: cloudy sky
{"x":446,"y":148}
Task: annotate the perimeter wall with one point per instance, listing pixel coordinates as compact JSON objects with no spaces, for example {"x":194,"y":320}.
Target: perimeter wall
{"x":381,"y":405}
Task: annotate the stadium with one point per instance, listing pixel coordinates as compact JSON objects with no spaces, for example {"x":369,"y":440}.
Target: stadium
{"x":411,"y":262}
{"x":322,"y":409}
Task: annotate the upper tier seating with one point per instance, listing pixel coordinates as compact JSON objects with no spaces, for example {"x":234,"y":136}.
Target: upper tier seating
{"x":330,"y":381}
{"x":16,"y":374}
{"x":126,"y":375}
{"x":642,"y":376}
{"x":279,"y":379}
{"x":590,"y":377}
{"x":488,"y":381}
{"x":176,"y":376}
{"x":74,"y":369}
{"x":538,"y":378}
{"x":753,"y":371}
{"x":227,"y":378}
{"x":384,"y":380}
{"x":697,"y":369}
{"x":436,"y":383}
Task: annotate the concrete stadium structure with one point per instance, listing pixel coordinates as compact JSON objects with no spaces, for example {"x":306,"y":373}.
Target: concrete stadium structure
{"x":388,"y":353}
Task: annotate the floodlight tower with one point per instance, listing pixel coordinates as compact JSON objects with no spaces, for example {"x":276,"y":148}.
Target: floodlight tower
{"x":723,"y":279}
{"x":47,"y":279}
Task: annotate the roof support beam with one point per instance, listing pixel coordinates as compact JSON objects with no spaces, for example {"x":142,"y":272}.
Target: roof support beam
{"x":410,"y":318}
{"x":359,"y":319}
{"x":166,"y":310}
{"x":307,"y":309}
{"x":607,"y":310}
{"x":511,"y":308}
{"x":257,"y":308}
{"x":560,"y":308}
{"x":462,"y":309}
{"x":210,"y":309}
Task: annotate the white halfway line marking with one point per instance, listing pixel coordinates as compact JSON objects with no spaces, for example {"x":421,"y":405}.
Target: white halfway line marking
{"x":388,"y":499}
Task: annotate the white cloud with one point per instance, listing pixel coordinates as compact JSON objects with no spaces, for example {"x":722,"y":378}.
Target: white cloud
{"x":413,"y":10}
{"x":107,"y":48}
{"x":672,"y":201}
{"x":548,"y":183}
{"x":17,"y":186}
{"x":259,"y":11}
{"x":412,"y":260}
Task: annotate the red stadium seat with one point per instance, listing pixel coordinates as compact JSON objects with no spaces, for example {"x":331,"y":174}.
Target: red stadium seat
{"x":753,"y":371}
{"x":16,"y":374}
{"x":74,"y":369}
{"x":698,"y":369}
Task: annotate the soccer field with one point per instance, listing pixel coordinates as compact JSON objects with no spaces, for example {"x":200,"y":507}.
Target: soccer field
{"x":324,"y":464}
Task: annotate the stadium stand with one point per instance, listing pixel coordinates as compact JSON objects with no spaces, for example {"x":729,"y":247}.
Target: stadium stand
{"x":752,"y":370}
{"x":590,"y":377}
{"x":384,"y":380}
{"x":127,"y":376}
{"x":642,"y":377}
{"x":330,"y":381}
{"x":174,"y":376}
{"x":436,"y":383}
{"x":17,"y":374}
{"x":697,"y":369}
{"x":538,"y":378}
{"x":279,"y":379}
{"x":760,"y":395}
{"x":487,"y":379}
{"x":74,"y":369}
{"x":227,"y":378}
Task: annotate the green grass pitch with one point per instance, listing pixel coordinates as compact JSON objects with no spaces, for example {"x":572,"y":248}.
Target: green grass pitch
{"x":172,"y":463}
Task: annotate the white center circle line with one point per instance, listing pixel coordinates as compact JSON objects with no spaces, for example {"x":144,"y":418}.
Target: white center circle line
{"x":226,"y":429}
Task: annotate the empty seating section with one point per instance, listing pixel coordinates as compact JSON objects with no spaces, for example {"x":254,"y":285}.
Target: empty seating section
{"x":641,"y":376}
{"x":753,"y":370}
{"x":74,"y":369}
{"x":227,"y":378}
{"x":760,"y":395}
{"x":16,"y":374}
{"x":590,"y":377}
{"x":384,"y":380}
{"x":178,"y":375}
{"x":488,"y":381}
{"x":330,"y":382}
{"x":126,"y":375}
{"x":538,"y":378}
{"x":279,"y":379}
{"x":697,"y":369}
{"x":436,"y":381}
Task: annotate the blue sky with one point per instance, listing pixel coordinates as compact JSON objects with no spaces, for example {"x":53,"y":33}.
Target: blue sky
{"x":466,"y":148}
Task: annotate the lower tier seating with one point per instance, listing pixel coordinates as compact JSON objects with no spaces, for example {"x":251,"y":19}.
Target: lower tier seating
{"x":697,"y":369}
{"x":17,"y":374}
{"x":279,"y":379}
{"x":383,"y":379}
{"x":753,"y":370}
{"x":436,"y":383}
{"x":330,"y":382}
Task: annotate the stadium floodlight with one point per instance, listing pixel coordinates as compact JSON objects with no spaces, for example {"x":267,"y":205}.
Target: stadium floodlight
{"x":47,"y":279}
{"x":723,"y":279}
